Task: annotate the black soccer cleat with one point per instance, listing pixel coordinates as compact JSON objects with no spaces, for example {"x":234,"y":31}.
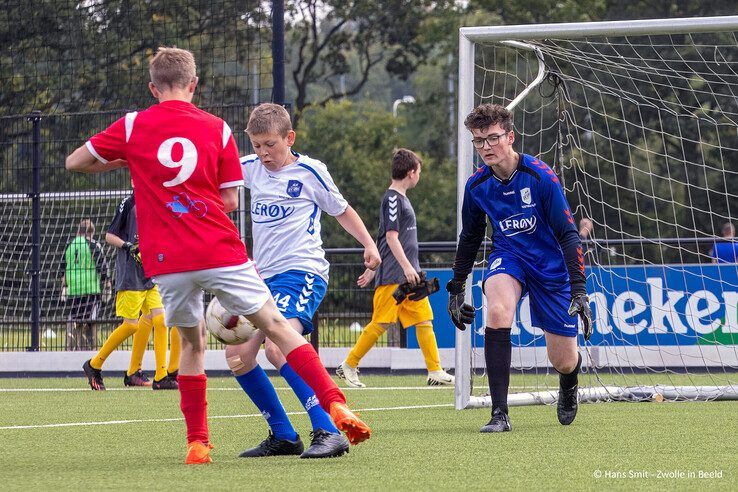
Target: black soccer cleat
{"x":138,"y":378}
{"x":324,"y":444}
{"x":173,"y":374}
{"x":500,"y":422}
{"x":94,"y":376}
{"x":567,"y":405}
{"x":165,"y":383}
{"x":271,"y":446}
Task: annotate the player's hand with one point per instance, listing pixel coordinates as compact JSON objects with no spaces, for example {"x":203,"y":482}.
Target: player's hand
{"x":132,"y":249}
{"x":411,"y":276}
{"x":371,"y":257}
{"x":366,"y":278}
{"x":461,"y":313}
{"x":580,"y":306}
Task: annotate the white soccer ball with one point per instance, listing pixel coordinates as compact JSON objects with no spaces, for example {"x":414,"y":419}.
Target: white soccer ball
{"x":226,"y":327}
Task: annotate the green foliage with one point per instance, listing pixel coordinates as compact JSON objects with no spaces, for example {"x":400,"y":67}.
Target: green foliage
{"x":356,"y":141}
{"x":331,"y":38}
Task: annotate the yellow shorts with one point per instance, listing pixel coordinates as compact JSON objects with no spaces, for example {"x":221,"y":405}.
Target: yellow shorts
{"x":130,"y":304}
{"x":410,"y":313}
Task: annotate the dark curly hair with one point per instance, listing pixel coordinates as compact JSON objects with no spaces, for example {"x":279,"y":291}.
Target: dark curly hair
{"x":486,"y":115}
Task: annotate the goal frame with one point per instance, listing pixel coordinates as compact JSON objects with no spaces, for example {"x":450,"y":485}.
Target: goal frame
{"x":515,"y":36}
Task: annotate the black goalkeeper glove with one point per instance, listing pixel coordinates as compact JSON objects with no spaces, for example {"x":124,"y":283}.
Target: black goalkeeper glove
{"x":132,"y":249}
{"x":424,"y":289}
{"x":580,"y":305}
{"x":416,"y":292}
{"x":461,"y":313}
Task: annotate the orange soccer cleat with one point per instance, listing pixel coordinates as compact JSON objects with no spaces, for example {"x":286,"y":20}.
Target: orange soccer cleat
{"x":347,"y":421}
{"x":198,"y":453}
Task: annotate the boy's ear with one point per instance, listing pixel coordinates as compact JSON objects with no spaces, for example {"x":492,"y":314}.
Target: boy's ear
{"x":291,"y":135}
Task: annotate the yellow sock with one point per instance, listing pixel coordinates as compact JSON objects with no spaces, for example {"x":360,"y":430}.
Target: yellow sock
{"x":125,"y":330}
{"x":175,"y":348}
{"x":140,"y":341}
{"x":160,"y":347}
{"x":428,"y":345}
{"x":366,"y":341}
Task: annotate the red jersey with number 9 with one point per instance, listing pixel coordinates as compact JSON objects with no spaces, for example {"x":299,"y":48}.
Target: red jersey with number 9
{"x":180,"y":157}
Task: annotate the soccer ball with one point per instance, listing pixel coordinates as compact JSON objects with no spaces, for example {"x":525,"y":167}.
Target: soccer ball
{"x":226,"y":327}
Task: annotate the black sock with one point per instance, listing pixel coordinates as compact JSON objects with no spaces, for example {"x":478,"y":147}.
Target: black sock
{"x":497,"y":354}
{"x":568,"y":381}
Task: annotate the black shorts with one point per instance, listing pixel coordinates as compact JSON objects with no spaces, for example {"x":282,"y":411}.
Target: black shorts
{"x":83,"y":308}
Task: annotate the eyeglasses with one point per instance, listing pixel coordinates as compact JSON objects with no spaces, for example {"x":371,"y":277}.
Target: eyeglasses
{"x":492,"y":140}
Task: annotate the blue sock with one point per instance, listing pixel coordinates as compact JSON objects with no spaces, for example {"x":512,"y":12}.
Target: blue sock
{"x":256,"y":384}
{"x":318,"y":417}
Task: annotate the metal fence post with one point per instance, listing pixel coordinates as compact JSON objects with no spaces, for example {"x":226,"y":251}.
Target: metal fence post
{"x":35,"y":195}
{"x":314,"y":337}
{"x":278,"y":51}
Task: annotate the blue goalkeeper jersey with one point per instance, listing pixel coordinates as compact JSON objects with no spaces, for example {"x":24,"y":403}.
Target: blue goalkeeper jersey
{"x":530,"y":219}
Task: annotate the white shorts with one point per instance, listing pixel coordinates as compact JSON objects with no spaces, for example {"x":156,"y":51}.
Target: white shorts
{"x":239,"y":289}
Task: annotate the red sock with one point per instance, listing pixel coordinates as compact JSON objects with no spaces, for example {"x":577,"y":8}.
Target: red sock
{"x":194,"y":406}
{"x":306,"y":363}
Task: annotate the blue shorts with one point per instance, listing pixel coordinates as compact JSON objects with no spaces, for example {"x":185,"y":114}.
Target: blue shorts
{"x":549,"y":301}
{"x":298,"y":295}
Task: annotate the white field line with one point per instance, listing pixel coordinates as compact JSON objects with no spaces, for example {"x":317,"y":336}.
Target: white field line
{"x":250,"y":415}
{"x":383,"y":388}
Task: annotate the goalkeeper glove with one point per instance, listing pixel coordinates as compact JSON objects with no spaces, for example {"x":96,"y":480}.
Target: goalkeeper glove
{"x":132,"y":249}
{"x":580,"y":306}
{"x":423,"y":289}
{"x":461,"y":313}
{"x":416,"y":292}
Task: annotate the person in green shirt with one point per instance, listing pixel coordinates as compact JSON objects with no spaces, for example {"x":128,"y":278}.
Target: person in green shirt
{"x":85,"y":283}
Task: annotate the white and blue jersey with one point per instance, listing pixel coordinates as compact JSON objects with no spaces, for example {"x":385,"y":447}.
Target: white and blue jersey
{"x":533,"y":234}
{"x":285,"y":220}
{"x":285,"y":214}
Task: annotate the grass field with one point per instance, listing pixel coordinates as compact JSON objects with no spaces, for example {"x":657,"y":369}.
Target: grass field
{"x":57,"y":434}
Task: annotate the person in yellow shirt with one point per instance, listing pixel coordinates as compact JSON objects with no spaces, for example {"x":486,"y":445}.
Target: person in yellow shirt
{"x":398,"y":247}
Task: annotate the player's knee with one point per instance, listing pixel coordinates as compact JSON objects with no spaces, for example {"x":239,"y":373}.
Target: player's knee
{"x":274,"y":355}
{"x":498,"y":314}
{"x":565,"y":364}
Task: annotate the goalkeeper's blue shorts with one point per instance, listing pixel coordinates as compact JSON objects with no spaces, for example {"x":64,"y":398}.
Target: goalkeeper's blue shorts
{"x":298,"y":295}
{"x":549,"y":301}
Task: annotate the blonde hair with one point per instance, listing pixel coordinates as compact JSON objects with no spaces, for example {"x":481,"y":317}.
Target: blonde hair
{"x":172,"y":68}
{"x":269,"y":117}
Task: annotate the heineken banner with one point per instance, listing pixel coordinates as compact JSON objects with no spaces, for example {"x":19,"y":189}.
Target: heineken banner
{"x":664,"y":305}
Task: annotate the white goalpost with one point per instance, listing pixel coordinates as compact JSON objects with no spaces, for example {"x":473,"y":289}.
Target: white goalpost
{"x":639,"y":119}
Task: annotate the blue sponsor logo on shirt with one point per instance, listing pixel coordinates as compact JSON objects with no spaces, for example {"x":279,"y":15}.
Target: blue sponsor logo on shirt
{"x":518,"y":224}
{"x":294,"y":188}
{"x":262,"y":213}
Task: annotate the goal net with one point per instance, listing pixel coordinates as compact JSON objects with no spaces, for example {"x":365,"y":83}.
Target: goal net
{"x":640,"y":121}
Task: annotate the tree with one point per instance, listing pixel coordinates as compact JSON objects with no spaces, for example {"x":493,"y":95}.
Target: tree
{"x":324,"y":35}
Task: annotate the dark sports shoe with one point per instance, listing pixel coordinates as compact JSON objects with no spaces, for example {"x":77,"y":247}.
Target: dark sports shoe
{"x":173,"y":374}
{"x":94,"y":376}
{"x":138,"y":378}
{"x":324,"y":444}
{"x":566,"y":407}
{"x":500,"y":422}
{"x":271,"y":446}
{"x":165,"y":383}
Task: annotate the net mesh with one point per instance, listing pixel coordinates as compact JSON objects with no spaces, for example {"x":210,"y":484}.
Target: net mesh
{"x":642,"y":132}
{"x":82,"y":65}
